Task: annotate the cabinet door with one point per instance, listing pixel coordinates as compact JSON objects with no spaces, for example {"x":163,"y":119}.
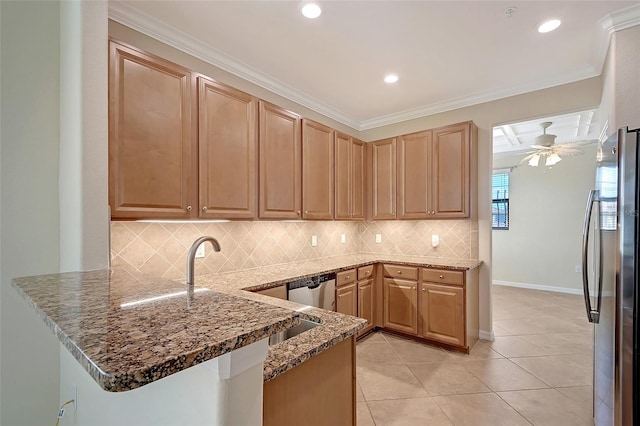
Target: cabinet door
{"x":228,"y":152}
{"x":442,"y":313}
{"x":383,"y":175}
{"x":365,"y":303}
{"x":413,"y":175}
{"x":347,"y":299}
{"x":400,"y":302}
{"x":450,"y":183}
{"x":357,"y":179}
{"x":343,"y":176}
{"x":350,"y":177}
{"x":280,"y":158}
{"x":151,"y":136}
{"x":317,"y":170}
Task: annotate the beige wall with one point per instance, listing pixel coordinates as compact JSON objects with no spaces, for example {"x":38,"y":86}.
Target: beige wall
{"x":160,"y":248}
{"x":541,"y":248}
{"x":621,"y":88}
{"x":29,"y":200}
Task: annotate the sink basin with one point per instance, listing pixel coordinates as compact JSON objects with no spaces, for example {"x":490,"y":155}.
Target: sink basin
{"x":281,"y":336}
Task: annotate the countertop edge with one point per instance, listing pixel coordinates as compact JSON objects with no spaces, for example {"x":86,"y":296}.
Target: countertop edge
{"x":138,"y":377}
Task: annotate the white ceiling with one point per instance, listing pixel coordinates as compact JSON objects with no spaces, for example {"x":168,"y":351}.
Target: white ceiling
{"x":516,"y":139}
{"x":448,"y":54}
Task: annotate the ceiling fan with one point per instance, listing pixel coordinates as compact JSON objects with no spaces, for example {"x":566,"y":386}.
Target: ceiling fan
{"x":546,"y":147}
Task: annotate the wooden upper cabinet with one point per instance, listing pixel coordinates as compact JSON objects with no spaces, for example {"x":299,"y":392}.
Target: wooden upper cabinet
{"x":358,"y":161}
{"x":383,"y":179}
{"x":349,"y":177}
{"x":317,"y":170}
{"x":435,"y":172}
{"x":280,"y":163}
{"x":454,"y":166}
{"x":413,"y":175}
{"x":228,"y":152}
{"x":152,"y":152}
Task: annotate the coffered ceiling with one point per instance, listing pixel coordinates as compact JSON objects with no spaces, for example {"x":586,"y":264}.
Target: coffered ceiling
{"x":447,"y":54}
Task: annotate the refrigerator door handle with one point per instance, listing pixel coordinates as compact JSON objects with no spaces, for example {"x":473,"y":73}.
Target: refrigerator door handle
{"x":592,"y":314}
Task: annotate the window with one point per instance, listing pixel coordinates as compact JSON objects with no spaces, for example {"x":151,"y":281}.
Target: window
{"x":500,"y":200}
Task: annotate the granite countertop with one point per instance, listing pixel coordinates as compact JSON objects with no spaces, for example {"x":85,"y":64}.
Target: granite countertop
{"x":335,"y":327}
{"x":128,"y":330}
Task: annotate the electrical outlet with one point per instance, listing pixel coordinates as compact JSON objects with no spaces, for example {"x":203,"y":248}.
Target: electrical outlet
{"x":435,"y":240}
{"x":200,"y":252}
{"x":314,"y":240}
{"x":578,"y":269}
{"x":378,"y":238}
{"x":343,"y":238}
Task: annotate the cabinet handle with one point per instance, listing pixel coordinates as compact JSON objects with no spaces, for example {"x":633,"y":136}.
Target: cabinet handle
{"x":340,"y":295}
{"x":306,"y":212}
{"x":424,"y":289}
{"x":204,"y":208}
{"x":406,"y":287}
{"x":368,"y":272}
{"x":348,"y":276}
{"x":188,"y":208}
{"x":399,"y":272}
{"x":298,"y":212}
{"x":441,"y":277}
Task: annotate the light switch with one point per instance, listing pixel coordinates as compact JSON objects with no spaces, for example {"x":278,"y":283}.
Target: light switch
{"x":314,"y":240}
{"x":200,"y":252}
{"x":378,"y":238}
{"x":343,"y":238}
{"x":435,"y":240}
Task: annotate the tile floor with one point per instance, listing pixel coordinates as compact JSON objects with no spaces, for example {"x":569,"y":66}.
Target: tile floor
{"x":538,"y":371}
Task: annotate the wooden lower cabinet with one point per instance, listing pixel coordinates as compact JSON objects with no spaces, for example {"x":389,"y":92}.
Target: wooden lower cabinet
{"x":365,"y":304}
{"x":400,"y":305}
{"x":442,"y":313}
{"x":279,"y":292}
{"x":347,"y":299}
{"x":320,"y":391}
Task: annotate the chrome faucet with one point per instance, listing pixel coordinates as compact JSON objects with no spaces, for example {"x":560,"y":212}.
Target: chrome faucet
{"x":191,"y":257}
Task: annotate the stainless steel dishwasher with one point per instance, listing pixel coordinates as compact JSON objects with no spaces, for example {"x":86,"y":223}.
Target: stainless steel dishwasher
{"x":318,"y":291}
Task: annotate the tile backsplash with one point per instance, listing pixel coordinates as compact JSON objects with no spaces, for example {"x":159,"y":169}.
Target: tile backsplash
{"x":161,"y":248}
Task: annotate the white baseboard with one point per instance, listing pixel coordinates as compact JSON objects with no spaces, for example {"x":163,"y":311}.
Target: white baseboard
{"x":539,"y":287}
{"x":486,"y":335}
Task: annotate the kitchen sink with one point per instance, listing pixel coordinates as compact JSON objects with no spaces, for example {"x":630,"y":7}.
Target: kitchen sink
{"x":305,"y":325}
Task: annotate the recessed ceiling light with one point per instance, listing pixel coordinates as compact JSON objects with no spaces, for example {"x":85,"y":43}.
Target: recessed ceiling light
{"x":390,"y":78}
{"x":311,"y":10}
{"x":548,"y":26}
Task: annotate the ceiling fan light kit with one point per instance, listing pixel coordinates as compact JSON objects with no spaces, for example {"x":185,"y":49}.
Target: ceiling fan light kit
{"x":545,"y":145}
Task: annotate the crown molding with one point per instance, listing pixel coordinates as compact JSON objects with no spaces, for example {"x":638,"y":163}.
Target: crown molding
{"x":488,"y":96}
{"x":615,"y":21}
{"x":152,"y":27}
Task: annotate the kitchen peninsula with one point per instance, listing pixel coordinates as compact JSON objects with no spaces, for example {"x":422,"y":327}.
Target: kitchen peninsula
{"x":129,"y":330}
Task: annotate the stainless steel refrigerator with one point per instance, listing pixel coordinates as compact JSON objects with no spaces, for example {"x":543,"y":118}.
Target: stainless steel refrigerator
{"x":610,"y":279}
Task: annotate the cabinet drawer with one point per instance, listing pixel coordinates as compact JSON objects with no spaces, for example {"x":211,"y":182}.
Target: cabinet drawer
{"x":444,"y":276}
{"x":404,"y":272}
{"x":345,"y":277}
{"x":365,"y":272}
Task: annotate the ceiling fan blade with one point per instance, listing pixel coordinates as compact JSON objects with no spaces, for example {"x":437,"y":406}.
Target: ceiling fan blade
{"x":528,"y":157}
